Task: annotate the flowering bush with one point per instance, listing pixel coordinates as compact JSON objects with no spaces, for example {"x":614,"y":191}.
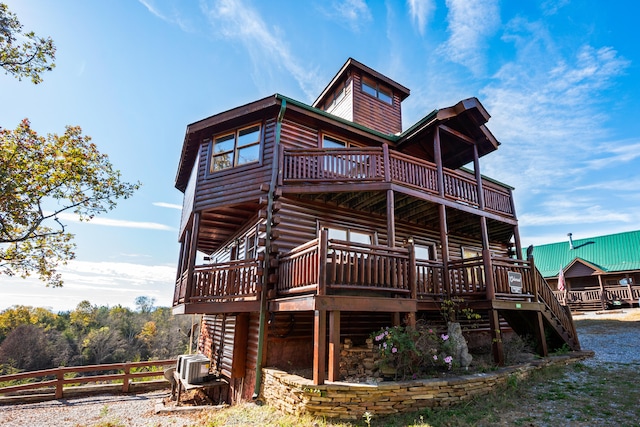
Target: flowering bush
{"x":413,"y":350}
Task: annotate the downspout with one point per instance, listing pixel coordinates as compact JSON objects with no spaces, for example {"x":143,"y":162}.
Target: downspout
{"x":267,"y":255}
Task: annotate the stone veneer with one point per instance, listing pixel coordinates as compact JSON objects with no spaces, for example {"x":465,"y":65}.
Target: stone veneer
{"x":296,"y":395}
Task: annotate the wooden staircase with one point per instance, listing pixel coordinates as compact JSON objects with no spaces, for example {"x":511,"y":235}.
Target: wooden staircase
{"x":559,"y":328}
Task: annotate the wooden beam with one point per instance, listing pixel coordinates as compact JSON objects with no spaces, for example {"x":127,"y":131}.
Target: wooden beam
{"x":458,"y":134}
{"x":319,"y":346}
{"x":334,"y":346}
{"x":357,"y":303}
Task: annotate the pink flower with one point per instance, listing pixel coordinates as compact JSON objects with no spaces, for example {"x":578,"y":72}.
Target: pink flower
{"x":394,"y":350}
{"x":444,"y":337}
{"x":448,"y":359}
{"x":435,"y":357}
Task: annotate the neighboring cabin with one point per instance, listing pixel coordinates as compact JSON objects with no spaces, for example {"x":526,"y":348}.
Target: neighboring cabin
{"x":328,"y":221}
{"x":599,"y":272}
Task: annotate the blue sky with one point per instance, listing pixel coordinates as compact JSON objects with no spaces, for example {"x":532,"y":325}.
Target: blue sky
{"x":559,"y":78}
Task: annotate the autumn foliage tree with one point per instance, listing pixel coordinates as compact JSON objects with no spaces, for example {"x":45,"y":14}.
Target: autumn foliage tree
{"x":42,"y":178}
{"x":23,"y":54}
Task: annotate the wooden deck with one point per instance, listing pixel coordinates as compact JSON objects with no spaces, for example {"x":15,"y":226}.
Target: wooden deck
{"x":313,"y":170}
{"x":326,"y":274}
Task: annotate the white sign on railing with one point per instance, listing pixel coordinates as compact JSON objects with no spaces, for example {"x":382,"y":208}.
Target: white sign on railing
{"x":515,"y":282}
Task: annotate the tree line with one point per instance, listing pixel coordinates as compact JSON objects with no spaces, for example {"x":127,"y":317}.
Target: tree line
{"x":34,"y":338}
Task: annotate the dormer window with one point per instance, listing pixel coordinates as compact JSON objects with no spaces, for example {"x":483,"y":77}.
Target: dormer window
{"x":376,"y":90}
{"x":236,"y":148}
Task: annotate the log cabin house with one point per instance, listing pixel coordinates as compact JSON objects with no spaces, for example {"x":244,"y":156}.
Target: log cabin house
{"x":303,"y":225}
{"x":600,"y":272}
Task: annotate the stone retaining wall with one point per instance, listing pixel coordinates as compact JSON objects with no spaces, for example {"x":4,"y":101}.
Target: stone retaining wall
{"x":296,"y":395}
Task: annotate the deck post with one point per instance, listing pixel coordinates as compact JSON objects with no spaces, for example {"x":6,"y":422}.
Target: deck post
{"x":391,"y":220}
{"x":334,"y":346}
{"x":603,"y":296}
{"x":486,"y":259}
{"x":444,"y":241}
{"x":322,"y":256}
{"x":386,"y":161}
{"x":191,"y":261}
{"x":496,"y":338}
{"x":319,"y":346}
{"x":540,"y":337}
{"x":476,"y":167}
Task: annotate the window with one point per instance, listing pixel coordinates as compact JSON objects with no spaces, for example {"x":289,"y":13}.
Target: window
{"x":473,"y":274}
{"x":351,"y":235}
{"x":425,"y":252}
{"x":376,"y":90}
{"x":336,"y":96}
{"x":236,"y":148}
{"x":331,"y":142}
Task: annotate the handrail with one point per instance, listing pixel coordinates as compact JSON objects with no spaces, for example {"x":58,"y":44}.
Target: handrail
{"x":326,"y":165}
{"x":60,"y":380}
{"x":226,"y":280}
{"x":563,"y":315}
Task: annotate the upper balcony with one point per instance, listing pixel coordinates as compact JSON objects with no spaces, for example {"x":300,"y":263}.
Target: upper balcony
{"x":370,"y":169}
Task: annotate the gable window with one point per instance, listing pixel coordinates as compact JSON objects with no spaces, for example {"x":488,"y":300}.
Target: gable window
{"x":376,"y":90}
{"x":236,"y":148}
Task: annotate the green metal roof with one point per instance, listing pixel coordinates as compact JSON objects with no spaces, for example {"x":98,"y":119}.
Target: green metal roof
{"x":611,"y":253}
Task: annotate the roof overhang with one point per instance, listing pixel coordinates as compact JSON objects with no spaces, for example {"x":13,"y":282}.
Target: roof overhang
{"x":461,"y":127}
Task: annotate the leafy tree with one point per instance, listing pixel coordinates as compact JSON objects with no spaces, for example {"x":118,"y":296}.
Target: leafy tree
{"x":103,"y":345}
{"x":145,"y":304}
{"x":30,"y":347}
{"x":41,"y":178}
{"x":23,"y":54}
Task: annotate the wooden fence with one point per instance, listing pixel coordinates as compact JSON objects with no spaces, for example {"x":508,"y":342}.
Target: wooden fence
{"x":60,"y":381}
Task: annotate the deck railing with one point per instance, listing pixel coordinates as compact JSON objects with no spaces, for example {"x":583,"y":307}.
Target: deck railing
{"x":58,"y":380}
{"x":324,"y":265}
{"x":227,"y":281}
{"x":300,"y":166}
{"x":591,"y":297}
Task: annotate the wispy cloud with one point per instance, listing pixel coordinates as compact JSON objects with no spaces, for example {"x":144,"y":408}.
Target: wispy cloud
{"x":594,"y":214}
{"x":614,"y":154}
{"x":234,"y":20}
{"x":353,"y":13}
{"x":169,"y":11}
{"x":108,"y":222}
{"x":102,"y":283}
{"x":168,"y":205}
{"x":546,"y":108}
{"x":420,"y":12}
{"x":470,"y":24}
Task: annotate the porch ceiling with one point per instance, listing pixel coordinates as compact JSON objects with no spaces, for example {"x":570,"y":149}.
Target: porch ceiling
{"x":220,"y":224}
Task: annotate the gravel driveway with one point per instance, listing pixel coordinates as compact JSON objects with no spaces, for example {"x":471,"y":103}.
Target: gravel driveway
{"x":139,"y":410}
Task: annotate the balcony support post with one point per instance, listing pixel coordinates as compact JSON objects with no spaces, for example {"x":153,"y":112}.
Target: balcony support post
{"x":322,"y":257}
{"x":444,"y":241}
{"x":476,"y":169}
{"x":319,"y":346}
{"x":496,"y":338}
{"x":486,"y":259}
{"x":191,"y":261}
{"x":437,"y":154}
{"x":334,"y":346}
{"x":391,"y":220}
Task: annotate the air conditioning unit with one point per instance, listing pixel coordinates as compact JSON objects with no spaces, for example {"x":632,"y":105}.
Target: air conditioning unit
{"x":196,"y":369}
{"x":180,"y":365}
